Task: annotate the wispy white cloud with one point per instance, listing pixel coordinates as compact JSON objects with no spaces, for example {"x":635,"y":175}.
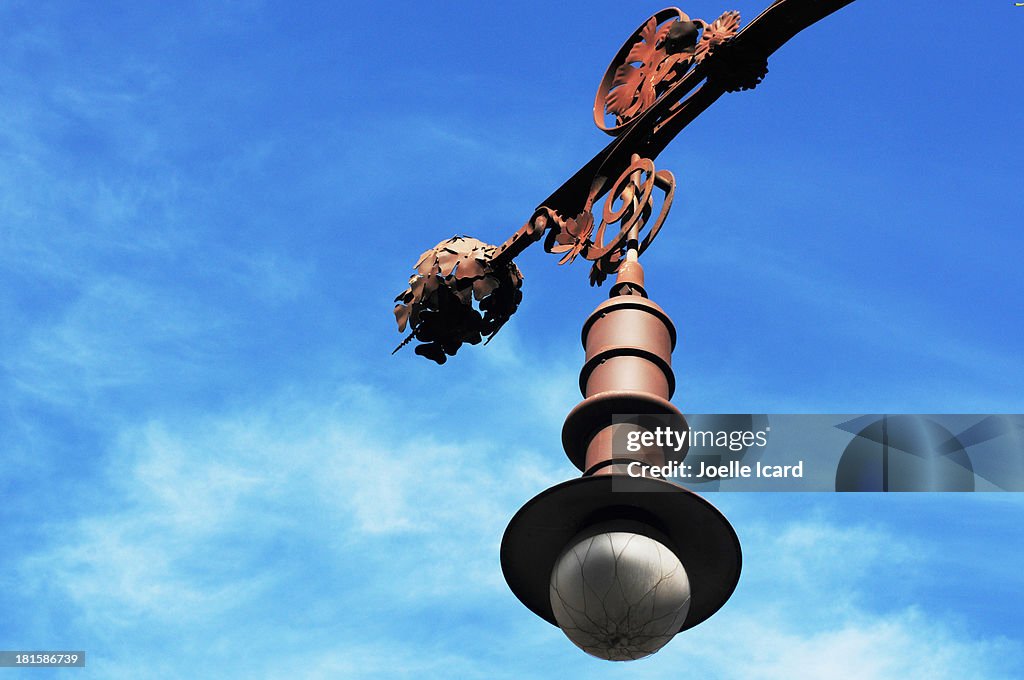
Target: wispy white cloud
{"x":907,"y":644}
{"x":198,"y":503}
{"x":117,"y":334}
{"x":807,"y":606}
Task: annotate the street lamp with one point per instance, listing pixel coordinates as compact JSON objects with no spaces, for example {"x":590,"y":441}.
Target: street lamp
{"x":620,"y":561}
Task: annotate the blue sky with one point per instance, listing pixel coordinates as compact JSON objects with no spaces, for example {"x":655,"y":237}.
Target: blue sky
{"x":210,"y":466}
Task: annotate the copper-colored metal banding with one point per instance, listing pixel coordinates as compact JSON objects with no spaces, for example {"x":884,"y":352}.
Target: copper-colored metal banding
{"x":595,"y":413}
{"x":628,"y":302}
{"x":602,"y":448}
{"x":627,"y":368}
{"x":629,"y":342}
{"x":611,"y":466}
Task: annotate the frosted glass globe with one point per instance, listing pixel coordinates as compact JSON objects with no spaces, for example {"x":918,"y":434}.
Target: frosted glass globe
{"x":619,"y":595}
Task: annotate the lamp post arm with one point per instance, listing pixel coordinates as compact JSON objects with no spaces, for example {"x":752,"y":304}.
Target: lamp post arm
{"x":737,"y":64}
{"x":670,"y":70}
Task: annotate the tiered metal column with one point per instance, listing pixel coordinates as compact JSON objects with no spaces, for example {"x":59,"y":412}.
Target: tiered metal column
{"x":627,"y":372}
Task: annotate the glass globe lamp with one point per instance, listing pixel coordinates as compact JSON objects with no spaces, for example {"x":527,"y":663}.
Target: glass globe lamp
{"x":619,"y":595}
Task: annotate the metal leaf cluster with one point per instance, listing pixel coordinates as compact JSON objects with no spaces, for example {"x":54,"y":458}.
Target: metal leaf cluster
{"x":438,"y":306}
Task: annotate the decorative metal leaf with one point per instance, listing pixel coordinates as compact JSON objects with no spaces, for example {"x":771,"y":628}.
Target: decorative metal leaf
{"x":574,"y":238}
{"x":426,"y":262}
{"x":447,"y":259}
{"x":724,"y":27}
{"x":625,"y":85}
{"x":641,"y":77}
{"x":471,"y":268}
{"x":643,"y":50}
{"x":402,"y":316}
{"x":629,"y":82}
{"x":483,"y":287}
{"x":667,"y":70}
{"x":721,"y":29}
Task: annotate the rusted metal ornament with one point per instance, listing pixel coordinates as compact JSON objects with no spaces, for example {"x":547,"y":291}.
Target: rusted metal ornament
{"x":652,"y":60}
{"x":640,"y":71}
{"x":630,"y":203}
{"x":438,"y":305}
{"x":670,"y":70}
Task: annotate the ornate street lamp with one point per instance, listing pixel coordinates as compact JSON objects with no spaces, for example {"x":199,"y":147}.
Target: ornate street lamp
{"x":620,"y":563}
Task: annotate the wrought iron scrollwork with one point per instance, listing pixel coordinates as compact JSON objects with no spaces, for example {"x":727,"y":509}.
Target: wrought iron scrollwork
{"x":629,"y":204}
{"x":668,"y":71}
{"x":438,"y":306}
{"x":652,"y":60}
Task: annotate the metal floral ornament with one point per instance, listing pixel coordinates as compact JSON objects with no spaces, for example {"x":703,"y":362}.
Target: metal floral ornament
{"x":438,"y":304}
{"x":658,"y":53}
{"x":669,"y":70}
